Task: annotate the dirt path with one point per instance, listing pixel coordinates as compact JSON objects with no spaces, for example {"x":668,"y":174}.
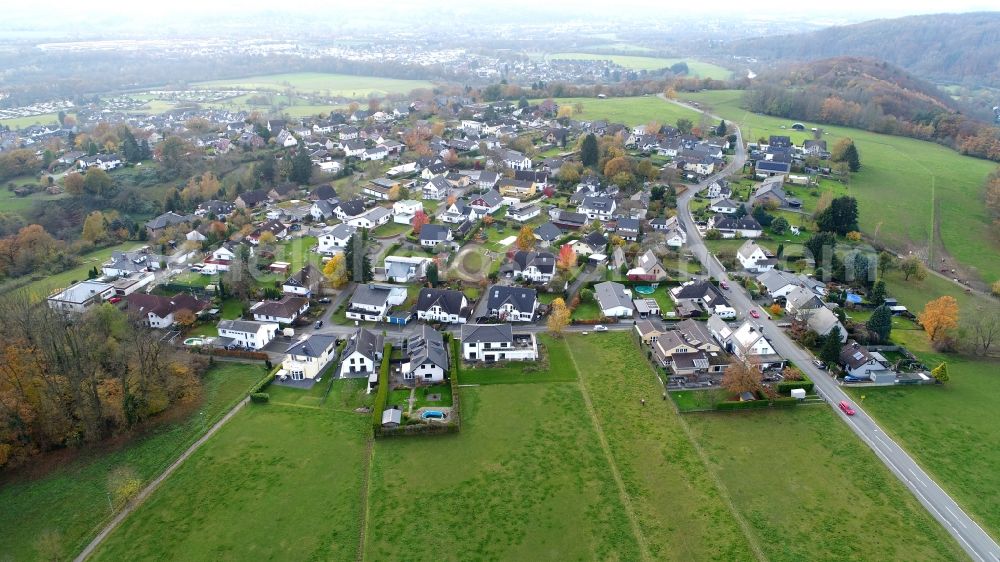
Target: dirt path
{"x":615,"y":474}
{"x":365,"y":493}
{"x":152,"y":486}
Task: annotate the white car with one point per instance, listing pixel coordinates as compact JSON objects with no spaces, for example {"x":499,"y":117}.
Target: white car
{"x":600,"y":328}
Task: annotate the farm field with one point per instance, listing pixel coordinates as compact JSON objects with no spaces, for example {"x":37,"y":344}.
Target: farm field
{"x":906,"y":188}
{"x":696,"y":68}
{"x":68,"y":504}
{"x":41,"y":119}
{"x":630,"y":111}
{"x":823,"y":508}
{"x":277,"y":482}
{"x":341,"y":85}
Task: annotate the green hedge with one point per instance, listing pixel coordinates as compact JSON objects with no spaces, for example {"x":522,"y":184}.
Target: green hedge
{"x":264,"y":382}
{"x":733,"y":405}
{"x":382,"y":393}
{"x":786,"y":387}
{"x":260,"y":397}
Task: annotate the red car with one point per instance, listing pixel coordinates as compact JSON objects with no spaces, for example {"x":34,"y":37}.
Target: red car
{"x":754,"y":313}
{"x":724,"y":285}
{"x":846,"y":408}
{"x":115,"y":300}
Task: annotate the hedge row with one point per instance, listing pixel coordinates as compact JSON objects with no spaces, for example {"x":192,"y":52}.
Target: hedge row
{"x":783,"y":402}
{"x":417,"y":429}
{"x":258,"y":355}
{"x":264,"y":382}
{"x":260,"y":397}
{"x":786,"y":387}
{"x":382,"y":393}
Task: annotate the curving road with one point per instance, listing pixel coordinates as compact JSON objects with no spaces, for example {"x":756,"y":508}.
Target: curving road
{"x":976,"y":542}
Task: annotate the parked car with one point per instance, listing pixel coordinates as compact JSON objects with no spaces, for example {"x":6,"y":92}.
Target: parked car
{"x":319,"y":324}
{"x":754,"y":313}
{"x":724,"y":285}
{"x":600,"y":328}
{"x":324,"y":300}
{"x":846,"y":408}
{"x":850,"y":378}
{"x":583,"y":333}
{"x":819,"y":364}
{"x":115,"y":300}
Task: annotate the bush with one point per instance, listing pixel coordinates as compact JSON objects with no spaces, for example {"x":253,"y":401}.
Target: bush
{"x":736,"y":405}
{"x":786,"y":387}
{"x":260,"y":397}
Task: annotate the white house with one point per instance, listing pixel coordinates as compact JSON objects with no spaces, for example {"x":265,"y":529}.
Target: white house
{"x":81,"y":296}
{"x":307,"y":358}
{"x":285,"y":139}
{"x":497,"y":342}
{"x":334,"y":239}
{"x":404,"y":211}
{"x":537,"y":267}
{"x":426,"y":356}
{"x":372,"y":218}
{"x":246,"y":333}
{"x":103,"y":161}
{"x":436,"y":189}
{"x":748,"y":341}
{"x":753,"y":258}
{"x":372,"y":301}
{"x":433,"y":234}
{"x":597,"y":207}
{"x":523,"y":213}
{"x":724,"y":206}
{"x":614,"y":299}
{"x":442,"y":305}
{"x":511,"y":304}
{"x":732,"y":227}
{"x":402,"y":269}
{"x":860,"y":363}
{"x":362,"y":356}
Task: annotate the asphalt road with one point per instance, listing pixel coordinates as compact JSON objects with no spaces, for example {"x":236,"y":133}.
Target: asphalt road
{"x":976,"y":542}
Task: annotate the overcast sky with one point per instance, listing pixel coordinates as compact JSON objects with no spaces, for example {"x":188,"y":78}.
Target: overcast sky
{"x":41,"y":15}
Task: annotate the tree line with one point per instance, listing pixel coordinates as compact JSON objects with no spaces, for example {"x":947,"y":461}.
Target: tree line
{"x":66,"y":383}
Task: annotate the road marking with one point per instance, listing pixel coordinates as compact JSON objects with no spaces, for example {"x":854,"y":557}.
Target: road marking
{"x":956,"y":517}
{"x":995,"y":557}
{"x":972,"y":550}
{"x":918,"y":478}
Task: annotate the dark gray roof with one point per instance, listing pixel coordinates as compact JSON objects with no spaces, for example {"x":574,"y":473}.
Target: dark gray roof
{"x":548,"y":232}
{"x":427,"y":346}
{"x":372,"y":295}
{"x":544,"y":261}
{"x":312,"y":346}
{"x":610,"y":294}
{"x":597,"y":202}
{"x":436,"y":232}
{"x":522,"y":299}
{"x":241,"y":325}
{"x":492,"y":333}
{"x":364,"y":342}
{"x":450,"y":301}
{"x":352,"y":207}
{"x":167,"y":219}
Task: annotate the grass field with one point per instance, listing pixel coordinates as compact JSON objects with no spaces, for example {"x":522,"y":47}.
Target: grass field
{"x":823,"y":508}
{"x":906,"y":188}
{"x":696,"y":68}
{"x":12,"y":203}
{"x":943,"y":426}
{"x":70,"y":502}
{"x":630,"y":111}
{"x":277,"y":482}
{"x":525,"y":479}
{"x":42,"y":119}
{"x":341,"y":85}
{"x":43,"y":286}
{"x":555,"y":352}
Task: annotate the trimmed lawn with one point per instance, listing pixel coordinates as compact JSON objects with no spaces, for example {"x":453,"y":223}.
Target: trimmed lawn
{"x":277,"y":482}
{"x":232,"y":308}
{"x":72,"y":501}
{"x":524,"y":480}
{"x":696,"y":68}
{"x":905,"y":187}
{"x":322,"y":83}
{"x":631,"y":111}
{"x":678,"y":506}
{"x":695,"y":400}
{"x":297,"y":252}
{"x":587,"y":311}
{"x":391,"y":229}
{"x":12,"y":203}
{"x":811,"y":490}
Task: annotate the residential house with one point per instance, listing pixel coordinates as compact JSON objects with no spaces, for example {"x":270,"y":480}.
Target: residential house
{"x":426,"y":356}
{"x":306,"y":282}
{"x":669,"y":343}
{"x":433,"y":234}
{"x":704,"y":295}
{"x":334,"y":239}
{"x":350,"y":209}
{"x":215,"y":208}
{"x":593,"y":243}
{"x":246,"y":334}
{"x":375,"y":153}
{"x":79,"y":297}
{"x":436,"y":189}
{"x":512,"y":159}
{"x":536,"y":267}
{"x":442,"y":305}
{"x":156,"y":227}
{"x":401,"y":269}
{"x":123,"y":264}
{"x":627,"y":228}
{"x":324,"y":209}
{"x":614,"y":299}
{"x":284,"y":311}
{"x":770,"y":168}
{"x":770,"y":192}
{"x":517,"y":189}
{"x":372,"y":302}
{"x":370,"y":219}
{"x":860,"y":363}
{"x":778,"y":284}
{"x":511,"y":304}
{"x":753,"y":258}
{"x":487,"y":180}
{"x":306,"y":358}
{"x":822,"y":320}
{"x":597,"y":207}
{"x":748,"y":342}
{"x":497,"y":342}
{"x":647,"y":331}
{"x":251,"y":199}
{"x":698,"y":335}
{"x":647,"y":268}
{"x":732,"y":227}
{"x":523,"y":213}
{"x":567,"y":220}
{"x":380,"y":188}
{"x":362,"y":356}
{"x":275,"y":227}
{"x":724,"y":206}
{"x":486,"y":203}
{"x":285,"y":139}
{"x":547,"y":233}
{"x":159,"y":311}
{"x":404,"y":211}
{"x":801,"y":299}
{"x":105,"y":162}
